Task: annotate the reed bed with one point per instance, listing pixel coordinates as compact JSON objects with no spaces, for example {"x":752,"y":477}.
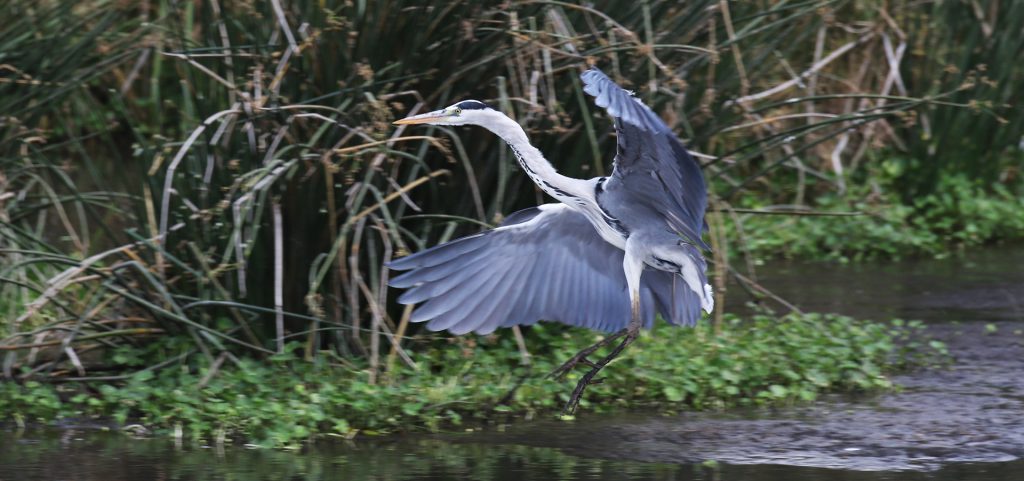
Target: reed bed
{"x":215,"y":179}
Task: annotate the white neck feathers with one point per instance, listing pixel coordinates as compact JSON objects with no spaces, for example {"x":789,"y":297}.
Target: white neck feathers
{"x":533,"y":162}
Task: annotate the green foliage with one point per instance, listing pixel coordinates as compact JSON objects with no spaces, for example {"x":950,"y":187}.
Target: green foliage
{"x":962,"y":213}
{"x":467,"y":381}
{"x":972,"y":48}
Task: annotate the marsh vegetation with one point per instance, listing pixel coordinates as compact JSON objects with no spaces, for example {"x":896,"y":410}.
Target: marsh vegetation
{"x":196,"y":196}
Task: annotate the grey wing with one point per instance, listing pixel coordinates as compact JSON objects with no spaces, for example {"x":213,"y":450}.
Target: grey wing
{"x":651,"y":165}
{"x":544,"y":263}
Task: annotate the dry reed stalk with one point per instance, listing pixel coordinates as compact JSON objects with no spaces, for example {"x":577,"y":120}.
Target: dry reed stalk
{"x":784,"y":86}
{"x":716,"y":232}
{"x":278,"y":275}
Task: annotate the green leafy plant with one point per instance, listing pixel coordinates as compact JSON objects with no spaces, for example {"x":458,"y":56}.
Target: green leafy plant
{"x":469,"y":381}
{"x":963,"y":213}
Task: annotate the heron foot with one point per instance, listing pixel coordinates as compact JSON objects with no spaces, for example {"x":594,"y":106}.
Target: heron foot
{"x":629,"y":335}
{"x":581,"y":357}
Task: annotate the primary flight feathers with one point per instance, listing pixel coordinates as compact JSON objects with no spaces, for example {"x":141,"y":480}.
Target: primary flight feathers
{"x":620,"y":102}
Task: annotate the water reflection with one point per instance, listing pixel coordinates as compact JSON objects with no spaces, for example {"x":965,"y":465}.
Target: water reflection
{"x":986,"y":284}
{"x":96,"y":456}
{"x":89,"y":456}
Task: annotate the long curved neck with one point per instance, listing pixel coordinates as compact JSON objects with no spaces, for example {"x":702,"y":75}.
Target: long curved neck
{"x":536,"y":166}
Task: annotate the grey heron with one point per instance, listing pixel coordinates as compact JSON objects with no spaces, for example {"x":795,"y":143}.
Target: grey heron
{"x":610,"y":255}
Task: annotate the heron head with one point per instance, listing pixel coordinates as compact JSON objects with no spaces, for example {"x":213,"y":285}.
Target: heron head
{"x":466,"y":112}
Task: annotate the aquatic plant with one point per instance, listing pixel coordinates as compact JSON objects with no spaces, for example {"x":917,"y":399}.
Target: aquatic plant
{"x":468,"y":382}
{"x":963,"y":213}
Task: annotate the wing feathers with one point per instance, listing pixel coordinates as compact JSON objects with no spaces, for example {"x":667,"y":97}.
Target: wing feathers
{"x":457,"y":307}
{"x":440,"y":285}
{"x":436,"y":255}
{"x":550,"y":265}
{"x":491,"y":305}
{"x":652,"y":168}
{"x":620,"y":102}
{"x":435,"y":272}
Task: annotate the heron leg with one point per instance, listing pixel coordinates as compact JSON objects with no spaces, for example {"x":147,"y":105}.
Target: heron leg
{"x":633,"y":267}
{"x":581,"y":357}
{"x":628,"y":335}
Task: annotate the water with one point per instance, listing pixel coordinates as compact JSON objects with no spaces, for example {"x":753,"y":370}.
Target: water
{"x":97,"y":456}
{"x":964,"y":423}
{"x":986,"y":284}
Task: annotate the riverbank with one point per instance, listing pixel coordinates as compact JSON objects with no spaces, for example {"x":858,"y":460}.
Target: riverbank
{"x":472,"y":381}
{"x":966,"y":413}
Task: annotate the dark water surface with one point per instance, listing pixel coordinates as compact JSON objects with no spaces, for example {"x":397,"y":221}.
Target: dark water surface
{"x":985,"y":284}
{"x":97,"y":456}
{"x":962,"y":423}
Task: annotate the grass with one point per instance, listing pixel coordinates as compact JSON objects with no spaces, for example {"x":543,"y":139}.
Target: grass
{"x":466,"y":382}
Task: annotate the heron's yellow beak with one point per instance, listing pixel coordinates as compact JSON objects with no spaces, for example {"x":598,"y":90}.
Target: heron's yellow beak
{"x":422,"y":118}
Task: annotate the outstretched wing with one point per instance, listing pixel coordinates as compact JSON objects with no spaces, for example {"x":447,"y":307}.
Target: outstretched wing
{"x":652,"y":168}
{"x":543,"y":263}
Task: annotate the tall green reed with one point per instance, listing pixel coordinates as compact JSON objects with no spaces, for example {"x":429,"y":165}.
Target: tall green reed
{"x":972,"y":48}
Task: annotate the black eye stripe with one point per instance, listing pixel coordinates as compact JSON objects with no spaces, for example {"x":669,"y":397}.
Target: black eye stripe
{"x":473,"y":105}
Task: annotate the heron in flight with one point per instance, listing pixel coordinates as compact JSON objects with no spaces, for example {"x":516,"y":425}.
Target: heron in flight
{"x":609,"y":255}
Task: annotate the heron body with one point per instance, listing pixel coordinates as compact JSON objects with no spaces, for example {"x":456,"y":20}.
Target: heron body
{"x":610,"y":255}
